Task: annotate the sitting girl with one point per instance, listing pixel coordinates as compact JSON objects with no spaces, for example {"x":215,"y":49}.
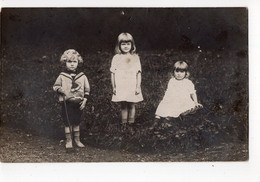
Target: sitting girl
{"x":180,"y":97}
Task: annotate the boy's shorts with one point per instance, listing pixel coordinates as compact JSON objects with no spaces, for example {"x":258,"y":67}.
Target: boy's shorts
{"x":74,"y":113}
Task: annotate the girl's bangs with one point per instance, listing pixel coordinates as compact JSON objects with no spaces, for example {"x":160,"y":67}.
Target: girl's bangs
{"x":181,"y":67}
{"x":125,"y":40}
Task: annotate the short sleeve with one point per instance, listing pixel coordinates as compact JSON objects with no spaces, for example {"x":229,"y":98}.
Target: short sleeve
{"x":113,"y":64}
{"x":138,"y":64}
{"x":170,"y":83}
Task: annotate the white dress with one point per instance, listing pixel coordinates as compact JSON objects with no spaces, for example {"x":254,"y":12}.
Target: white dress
{"x":125,"y":67}
{"x":177,"y":98}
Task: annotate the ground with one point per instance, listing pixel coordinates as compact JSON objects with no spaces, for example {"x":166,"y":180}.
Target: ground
{"x":17,"y":145}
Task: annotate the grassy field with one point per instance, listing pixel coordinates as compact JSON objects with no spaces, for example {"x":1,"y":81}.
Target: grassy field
{"x":220,"y":77}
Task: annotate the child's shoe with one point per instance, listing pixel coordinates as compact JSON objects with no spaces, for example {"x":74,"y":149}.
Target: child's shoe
{"x":77,"y":141}
{"x":191,"y":111}
{"x":68,"y":144}
{"x":124,"y":121}
{"x":131,"y":120}
{"x":123,"y":126}
{"x":155,"y":123}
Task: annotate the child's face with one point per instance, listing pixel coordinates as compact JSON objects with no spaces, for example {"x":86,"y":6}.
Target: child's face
{"x":72,"y":65}
{"x":179,"y":73}
{"x":125,"y":47}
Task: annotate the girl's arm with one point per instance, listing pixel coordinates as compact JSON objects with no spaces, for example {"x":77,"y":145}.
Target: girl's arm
{"x":112,"y":70}
{"x":113,"y":83}
{"x":138,"y":76}
{"x":138,"y":83}
{"x":193,"y":94}
{"x":195,"y":99}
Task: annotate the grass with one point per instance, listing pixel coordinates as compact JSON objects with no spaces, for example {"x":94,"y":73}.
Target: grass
{"x":220,"y":78}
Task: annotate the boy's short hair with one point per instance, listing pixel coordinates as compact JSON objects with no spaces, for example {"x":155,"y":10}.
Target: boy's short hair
{"x":71,"y":55}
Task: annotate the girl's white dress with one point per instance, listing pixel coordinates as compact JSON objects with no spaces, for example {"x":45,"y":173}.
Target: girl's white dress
{"x":126,"y":67}
{"x":177,"y":98}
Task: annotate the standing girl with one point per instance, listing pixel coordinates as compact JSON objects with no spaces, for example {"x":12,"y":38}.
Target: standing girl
{"x":73,"y":89}
{"x":180,"y":96}
{"x":126,"y":77}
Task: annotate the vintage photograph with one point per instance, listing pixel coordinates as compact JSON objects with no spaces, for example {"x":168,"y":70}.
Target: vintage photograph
{"x":124,"y":85}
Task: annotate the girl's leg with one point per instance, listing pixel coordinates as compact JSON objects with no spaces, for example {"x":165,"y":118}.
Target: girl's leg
{"x":124,"y":112}
{"x":131,"y":108}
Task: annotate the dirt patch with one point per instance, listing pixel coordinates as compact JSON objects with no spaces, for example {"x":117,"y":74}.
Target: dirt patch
{"x":17,"y":145}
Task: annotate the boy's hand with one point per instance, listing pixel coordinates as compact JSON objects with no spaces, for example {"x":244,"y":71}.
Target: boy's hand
{"x":137,"y":90}
{"x":83,"y":104}
{"x":61,"y":91}
{"x":114,"y":91}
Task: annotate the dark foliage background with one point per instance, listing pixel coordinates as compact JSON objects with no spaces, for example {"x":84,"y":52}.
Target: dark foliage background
{"x":212,"y":40}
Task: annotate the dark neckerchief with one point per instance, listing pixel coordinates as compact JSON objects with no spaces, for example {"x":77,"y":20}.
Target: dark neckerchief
{"x":71,"y":73}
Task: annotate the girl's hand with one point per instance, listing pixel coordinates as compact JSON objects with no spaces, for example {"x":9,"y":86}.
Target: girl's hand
{"x":83,"y":104}
{"x":197,"y":105}
{"x":137,"y":90}
{"x":114,"y":91}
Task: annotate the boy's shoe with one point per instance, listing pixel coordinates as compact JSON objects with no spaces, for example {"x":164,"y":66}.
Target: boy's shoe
{"x":69,"y":144}
{"x":76,"y":131}
{"x":68,"y":136}
{"x":78,"y":143}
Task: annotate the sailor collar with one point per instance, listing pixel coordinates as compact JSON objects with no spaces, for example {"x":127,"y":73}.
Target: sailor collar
{"x":70,"y":77}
